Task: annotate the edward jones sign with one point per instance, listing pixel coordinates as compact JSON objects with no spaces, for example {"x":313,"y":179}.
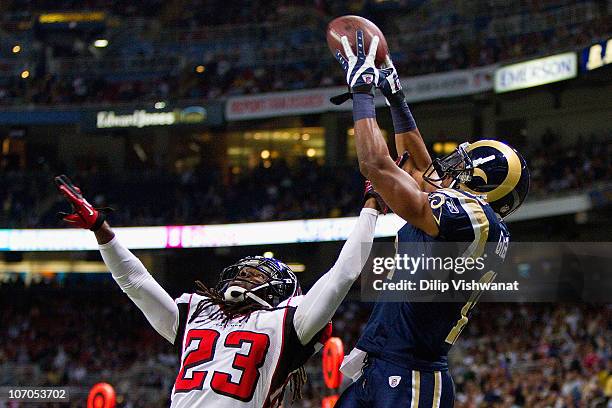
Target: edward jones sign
{"x":141,"y":118}
{"x":536,"y":72}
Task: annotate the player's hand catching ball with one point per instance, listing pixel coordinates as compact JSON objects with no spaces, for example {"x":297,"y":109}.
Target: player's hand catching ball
{"x":83,"y":215}
{"x":361,"y":73}
{"x":391,"y":87}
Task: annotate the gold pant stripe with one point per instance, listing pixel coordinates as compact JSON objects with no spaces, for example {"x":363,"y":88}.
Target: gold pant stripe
{"x":416,"y":389}
{"x":437,"y":389}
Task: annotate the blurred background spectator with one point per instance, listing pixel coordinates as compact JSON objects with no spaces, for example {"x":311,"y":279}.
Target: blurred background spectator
{"x":76,"y":329}
{"x":151,"y":52}
{"x":307,"y":190}
{"x":530,"y":355}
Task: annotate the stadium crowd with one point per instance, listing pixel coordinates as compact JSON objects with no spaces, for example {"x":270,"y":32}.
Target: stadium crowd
{"x":510,"y":355}
{"x":279,"y":45}
{"x":280,"y":192}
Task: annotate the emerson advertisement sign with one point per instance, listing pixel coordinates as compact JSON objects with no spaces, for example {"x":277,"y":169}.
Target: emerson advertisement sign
{"x":536,"y":72}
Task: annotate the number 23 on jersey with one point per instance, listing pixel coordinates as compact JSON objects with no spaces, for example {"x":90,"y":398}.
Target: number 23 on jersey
{"x":191,"y":378}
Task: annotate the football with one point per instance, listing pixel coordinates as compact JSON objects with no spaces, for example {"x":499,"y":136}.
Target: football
{"x":348,"y":25}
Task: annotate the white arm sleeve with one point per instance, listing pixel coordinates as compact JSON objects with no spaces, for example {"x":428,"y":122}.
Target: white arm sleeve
{"x":320,"y":303}
{"x":134,"y":279}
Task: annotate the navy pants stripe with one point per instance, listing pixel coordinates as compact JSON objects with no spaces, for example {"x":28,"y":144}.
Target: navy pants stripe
{"x":386,"y":385}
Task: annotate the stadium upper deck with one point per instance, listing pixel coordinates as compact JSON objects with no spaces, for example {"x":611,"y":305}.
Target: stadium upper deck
{"x":153,"y":53}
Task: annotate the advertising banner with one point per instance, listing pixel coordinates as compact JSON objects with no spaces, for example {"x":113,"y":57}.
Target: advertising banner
{"x":280,"y":103}
{"x":40,"y":117}
{"x":536,"y":72}
{"x":596,"y":56}
{"x":420,"y":88}
{"x":449,"y":84}
{"x":138,"y":118}
{"x":134,"y":117}
{"x":253,"y":233}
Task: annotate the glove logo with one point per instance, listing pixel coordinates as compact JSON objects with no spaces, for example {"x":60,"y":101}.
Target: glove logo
{"x":367,"y":78}
{"x":398,"y":84}
{"x":88,"y":207}
{"x":84,"y":215}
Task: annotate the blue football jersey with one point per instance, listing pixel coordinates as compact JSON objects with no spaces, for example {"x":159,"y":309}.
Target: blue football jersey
{"x":418,"y":335}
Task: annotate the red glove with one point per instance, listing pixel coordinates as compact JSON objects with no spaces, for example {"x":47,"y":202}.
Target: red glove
{"x":84,"y":214}
{"x":369,"y":188}
{"x":370,"y":192}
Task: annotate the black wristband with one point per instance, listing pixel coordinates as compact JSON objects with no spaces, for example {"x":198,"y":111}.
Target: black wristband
{"x":403,"y":121}
{"x":363,"y":106}
{"x":99,"y":221}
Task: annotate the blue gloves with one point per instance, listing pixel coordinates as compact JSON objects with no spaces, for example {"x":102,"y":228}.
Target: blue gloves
{"x":391,"y":87}
{"x":361,"y":73}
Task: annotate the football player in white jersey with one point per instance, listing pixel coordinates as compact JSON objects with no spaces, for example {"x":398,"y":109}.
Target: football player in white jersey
{"x":241,"y":342}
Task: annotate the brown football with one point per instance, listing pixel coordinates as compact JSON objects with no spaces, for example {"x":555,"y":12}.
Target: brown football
{"x":348,"y":25}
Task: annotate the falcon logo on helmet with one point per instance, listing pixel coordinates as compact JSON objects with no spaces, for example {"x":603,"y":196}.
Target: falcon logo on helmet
{"x":487,"y":168}
{"x":280,"y":282}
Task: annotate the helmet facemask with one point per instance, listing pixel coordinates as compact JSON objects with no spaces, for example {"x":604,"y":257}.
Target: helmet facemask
{"x":279,"y":283}
{"x":456,"y":166}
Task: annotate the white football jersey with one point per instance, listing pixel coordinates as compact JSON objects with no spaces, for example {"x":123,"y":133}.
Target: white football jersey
{"x":244,"y":363}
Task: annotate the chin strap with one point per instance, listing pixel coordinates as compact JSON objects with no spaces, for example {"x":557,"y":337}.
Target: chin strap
{"x":238,"y":294}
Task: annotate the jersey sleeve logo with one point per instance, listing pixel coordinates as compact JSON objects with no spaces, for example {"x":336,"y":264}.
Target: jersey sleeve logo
{"x":452,"y":207}
{"x":436,"y":201}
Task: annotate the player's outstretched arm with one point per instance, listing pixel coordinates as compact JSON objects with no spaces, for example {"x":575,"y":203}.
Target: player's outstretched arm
{"x":412,"y":142}
{"x":361,"y":76}
{"x":398,"y":189}
{"x":134,"y":279}
{"x":320,"y":303}
{"x":407,"y":135}
{"x":127,"y":270}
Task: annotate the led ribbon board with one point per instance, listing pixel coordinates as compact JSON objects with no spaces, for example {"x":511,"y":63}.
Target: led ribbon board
{"x":255,"y":233}
{"x":194,"y":236}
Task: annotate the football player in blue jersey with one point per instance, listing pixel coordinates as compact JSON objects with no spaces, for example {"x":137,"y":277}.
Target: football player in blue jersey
{"x":401,"y":357}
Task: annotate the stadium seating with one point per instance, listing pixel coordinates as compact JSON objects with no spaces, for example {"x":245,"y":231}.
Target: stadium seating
{"x":64,"y":321}
{"x":152,"y":56}
{"x":276,"y":193}
{"x":515,"y":354}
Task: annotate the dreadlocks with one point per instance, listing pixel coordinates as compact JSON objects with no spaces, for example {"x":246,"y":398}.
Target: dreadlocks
{"x":228,"y":311}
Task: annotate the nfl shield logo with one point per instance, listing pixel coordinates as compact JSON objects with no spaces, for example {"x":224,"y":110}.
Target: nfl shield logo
{"x":367,"y":78}
{"x":394,"y":381}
